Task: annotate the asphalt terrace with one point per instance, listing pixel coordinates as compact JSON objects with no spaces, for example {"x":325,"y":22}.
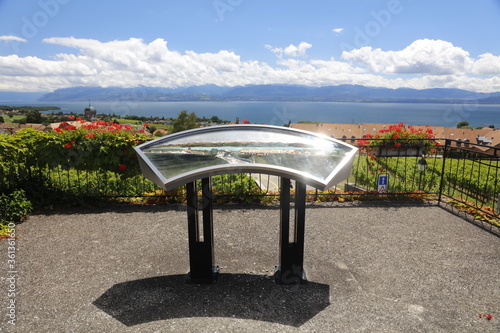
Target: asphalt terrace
{"x":386,"y":267}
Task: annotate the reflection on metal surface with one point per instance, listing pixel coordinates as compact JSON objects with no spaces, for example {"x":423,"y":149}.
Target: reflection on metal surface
{"x":176,"y":159}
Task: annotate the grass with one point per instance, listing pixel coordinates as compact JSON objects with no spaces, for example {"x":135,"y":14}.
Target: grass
{"x":9,"y":120}
{"x":139,"y":123}
{"x":129,"y":121}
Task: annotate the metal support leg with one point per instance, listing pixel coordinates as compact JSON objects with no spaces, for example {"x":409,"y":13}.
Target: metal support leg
{"x":291,"y":269}
{"x":201,"y":253}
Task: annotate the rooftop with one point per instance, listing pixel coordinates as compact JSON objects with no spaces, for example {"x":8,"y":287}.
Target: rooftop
{"x":377,"y":267}
{"x":358,"y":130}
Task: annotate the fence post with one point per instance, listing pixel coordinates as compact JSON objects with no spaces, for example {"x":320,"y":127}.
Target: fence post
{"x":445,"y":152}
{"x":498,"y":205}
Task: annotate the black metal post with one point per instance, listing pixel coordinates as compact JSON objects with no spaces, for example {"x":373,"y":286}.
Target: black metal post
{"x":300,"y":225}
{"x":447,"y":144}
{"x":420,"y":181}
{"x":201,"y":254}
{"x":285,"y":262}
{"x":291,"y":268}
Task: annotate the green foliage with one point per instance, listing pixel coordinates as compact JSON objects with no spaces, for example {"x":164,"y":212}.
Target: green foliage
{"x":69,"y":166}
{"x":229,"y":188}
{"x":34,"y":117}
{"x":80,"y":166}
{"x":185,"y":122}
{"x":464,"y":175}
{"x":237,"y":187}
{"x":462,"y":124}
{"x":81,"y":149}
{"x":217,"y":120}
{"x":486,"y":213}
{"x":400,"y":136}
{"x":308,"y":122}
{"x":152,"y":128}
{"x":14,"y":206}
{"x":1,"y":120}
{"x":21,"y":121}
{"x":26,"y":109}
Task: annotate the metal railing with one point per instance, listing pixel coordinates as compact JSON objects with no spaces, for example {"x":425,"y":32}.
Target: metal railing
{"x":464,"y":174}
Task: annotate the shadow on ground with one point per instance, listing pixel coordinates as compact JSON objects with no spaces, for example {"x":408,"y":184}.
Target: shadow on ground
{"x":126,"y":208}
{"x":240,"y":296}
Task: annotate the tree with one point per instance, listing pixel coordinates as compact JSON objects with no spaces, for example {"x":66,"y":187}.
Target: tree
{"x":152,"y":129}
{"x":462,"y":124}
{"x":1,"y":120}
{"x":34,"y":117}
{"x":185,"y":122}
{"x":216,"y":120}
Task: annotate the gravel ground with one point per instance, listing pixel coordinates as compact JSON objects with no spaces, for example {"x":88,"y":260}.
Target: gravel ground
{"x":386,"y":267}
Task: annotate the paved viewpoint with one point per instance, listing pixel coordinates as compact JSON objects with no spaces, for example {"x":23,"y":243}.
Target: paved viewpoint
{"x":384,"y":267}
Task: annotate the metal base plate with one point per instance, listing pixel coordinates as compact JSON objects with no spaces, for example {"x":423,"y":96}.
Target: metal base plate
{"x":210,"y":280}
{"x":294,"y":276}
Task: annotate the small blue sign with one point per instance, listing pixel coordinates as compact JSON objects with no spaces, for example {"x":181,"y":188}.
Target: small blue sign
{"x":383,"y":183}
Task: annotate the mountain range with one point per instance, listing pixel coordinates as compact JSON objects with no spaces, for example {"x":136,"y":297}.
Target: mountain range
{"x":340,"y":93}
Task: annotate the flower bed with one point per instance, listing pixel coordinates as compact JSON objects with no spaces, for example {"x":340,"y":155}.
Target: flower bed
{"x":400,"y":140}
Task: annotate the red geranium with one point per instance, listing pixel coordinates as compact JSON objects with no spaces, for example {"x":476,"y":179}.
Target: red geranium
{"x":400,"y":135}
{"x":122,"y":167}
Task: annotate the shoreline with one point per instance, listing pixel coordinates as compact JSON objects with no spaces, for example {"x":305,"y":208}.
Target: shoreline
{"x":280,"y":113}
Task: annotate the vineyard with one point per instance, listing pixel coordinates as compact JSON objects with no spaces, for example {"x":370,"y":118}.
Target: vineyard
{"x":466,"y":176}
{"x":471,"y":175}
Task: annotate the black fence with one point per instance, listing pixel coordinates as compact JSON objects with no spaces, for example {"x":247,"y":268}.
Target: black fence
{"x":463,"y":174}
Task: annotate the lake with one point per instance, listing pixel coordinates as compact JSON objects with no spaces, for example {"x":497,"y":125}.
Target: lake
{"x":279,"y":113}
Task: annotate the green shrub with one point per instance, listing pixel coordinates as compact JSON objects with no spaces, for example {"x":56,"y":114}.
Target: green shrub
{"x":14,"y":206}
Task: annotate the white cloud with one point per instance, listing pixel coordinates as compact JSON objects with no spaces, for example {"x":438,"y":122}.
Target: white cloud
{"x":9,"y":39}
{"x":131,"y":63}
{"x":434,"y":57}
{"x":488,"y":64}
{"x":338,"y":30}
{"x":291,"y":51}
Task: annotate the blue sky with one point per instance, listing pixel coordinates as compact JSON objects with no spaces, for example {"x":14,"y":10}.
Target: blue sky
{"x":51,"y":44}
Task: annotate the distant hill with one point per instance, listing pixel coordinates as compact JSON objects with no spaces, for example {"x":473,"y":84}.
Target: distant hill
{"x":341,"y":93}
{"x":6,"y":96}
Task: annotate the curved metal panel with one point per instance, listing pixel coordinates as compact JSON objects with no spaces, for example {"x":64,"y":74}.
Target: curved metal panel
{"x":312,"y":158}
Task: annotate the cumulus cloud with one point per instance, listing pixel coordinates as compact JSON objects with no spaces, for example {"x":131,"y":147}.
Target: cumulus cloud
{"x":133,"y":62}
{"x":291,"y":51}
{"x":9,"y":39}
{"x":338,"y":30}
{"x":488,"y":64}
{"x":425,"y":56}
